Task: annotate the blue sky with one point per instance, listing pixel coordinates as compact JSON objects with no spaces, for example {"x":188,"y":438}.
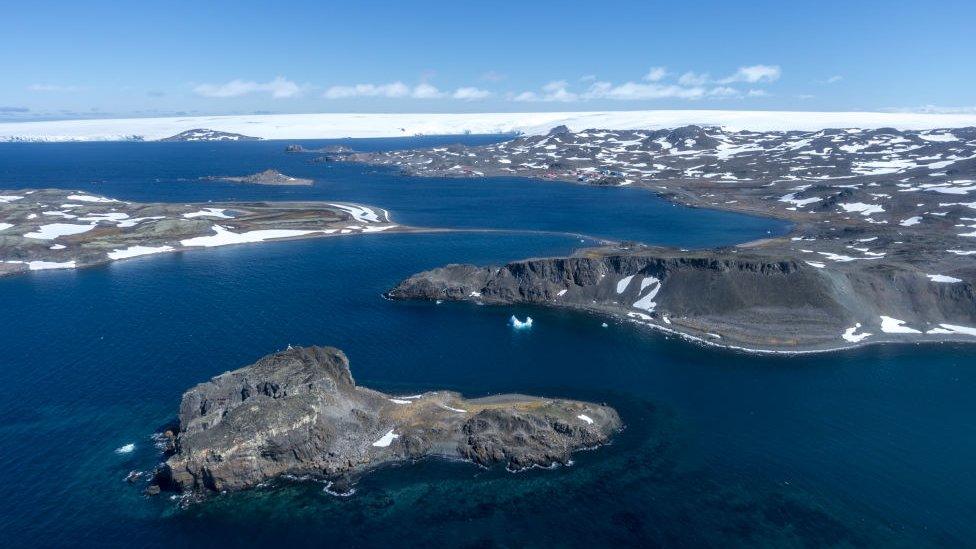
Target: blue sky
{"x":96,"y":59}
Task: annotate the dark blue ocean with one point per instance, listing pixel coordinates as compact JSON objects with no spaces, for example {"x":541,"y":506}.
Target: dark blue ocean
{"x":870,"y":447}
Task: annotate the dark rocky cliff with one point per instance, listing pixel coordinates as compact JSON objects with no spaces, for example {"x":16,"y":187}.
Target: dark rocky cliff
{"x":735,"y":298}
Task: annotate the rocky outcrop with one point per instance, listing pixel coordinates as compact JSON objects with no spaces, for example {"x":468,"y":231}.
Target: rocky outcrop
{"x":735,"y":298}
{"x":299,"y":412}
{"x":267,"y":177}
{"x":202,"y":134}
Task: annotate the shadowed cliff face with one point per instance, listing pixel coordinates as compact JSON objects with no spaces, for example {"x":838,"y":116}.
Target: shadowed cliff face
{"x":735,"y":298}
{"x":299,"y":412}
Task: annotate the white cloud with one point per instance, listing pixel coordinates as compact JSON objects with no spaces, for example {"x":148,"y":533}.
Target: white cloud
{"x":757,"y":93}
{"x":555,"y":91}
{"x":723,"y":91}
{"x":394,"y":89}
{"x":656,"y":74}
{"x":425,"y":91}
{"x":493,"y":76}
{"x":693,"y":79}
{"x":633,"y":91}
{"x":469,"y":93}
{"x":53,"y":88}
{"x":753,"y":74}
{"x":279,"y":88}
{"x":831,"y":80}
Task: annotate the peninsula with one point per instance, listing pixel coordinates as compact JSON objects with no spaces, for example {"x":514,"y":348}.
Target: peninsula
{"x":883,"y":246}
{"x":299,"y":412}
{"x":59,"y":229}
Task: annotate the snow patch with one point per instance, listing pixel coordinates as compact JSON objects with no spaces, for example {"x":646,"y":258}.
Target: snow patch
{"x":136,"y":251}
{"x":386,"y":439}
{"x":894,"y":326}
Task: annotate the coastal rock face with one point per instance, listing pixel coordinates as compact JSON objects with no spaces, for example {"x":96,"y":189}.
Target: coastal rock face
{"x":299,"y":412}
{"x":733,"y":298}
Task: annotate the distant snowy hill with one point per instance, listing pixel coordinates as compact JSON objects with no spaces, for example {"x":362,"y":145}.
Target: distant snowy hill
{"x":339,"y":125}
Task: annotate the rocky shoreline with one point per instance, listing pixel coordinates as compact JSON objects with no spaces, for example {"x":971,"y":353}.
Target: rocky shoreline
{"x":300,"y":413}
{"x":883,"y":248}
{"x":44,"y":229}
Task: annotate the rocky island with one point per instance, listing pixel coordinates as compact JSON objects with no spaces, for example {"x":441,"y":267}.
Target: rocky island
{"x":883,"y":246}
{"x":299,"y":412}
{"x":58,"y":229}
{"x":267,"y":177}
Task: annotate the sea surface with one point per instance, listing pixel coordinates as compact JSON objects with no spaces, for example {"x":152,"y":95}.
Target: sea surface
{"x":869,"y":447}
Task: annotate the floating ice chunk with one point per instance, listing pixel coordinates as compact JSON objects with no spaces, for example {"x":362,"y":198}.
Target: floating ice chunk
{"x":386,"y":439}
{"x":623,"y":283}
{"x":943,"y":278}
{"x":55,"y":230}
{"x":8,"y":198}
{"x":224,"y":237}
{"x":851,"y":334}
{"x":816,"y":264}
{"x":585,"y":418}
{"x":135,"y":251}
{"x":561,"y":292}
{"x":400,"y":401}
{"x":5,"y":226}
{"x":89,"y":198}
{"x":962,"y":252}
{"x":604,"y":325}
{"x":126,"y":449}
{"x":518,"y":324}
{"x":894,"y":326}
{"x":209,"y":212}
{"x":57,"y":247}
{"x":914,"y":220}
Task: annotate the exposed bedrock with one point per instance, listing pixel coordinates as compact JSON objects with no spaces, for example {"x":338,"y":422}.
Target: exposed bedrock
{"x":300,"y":412}
{"x":731,"y":298}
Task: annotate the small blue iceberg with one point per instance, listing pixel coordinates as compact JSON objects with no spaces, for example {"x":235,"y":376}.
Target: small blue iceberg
{"x":520,"y":325}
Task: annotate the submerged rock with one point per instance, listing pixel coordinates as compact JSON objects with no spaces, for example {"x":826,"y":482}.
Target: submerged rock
{"x":299,"y":412}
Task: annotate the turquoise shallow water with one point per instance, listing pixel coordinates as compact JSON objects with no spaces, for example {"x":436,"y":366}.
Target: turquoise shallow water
{"x":868,"y":447}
